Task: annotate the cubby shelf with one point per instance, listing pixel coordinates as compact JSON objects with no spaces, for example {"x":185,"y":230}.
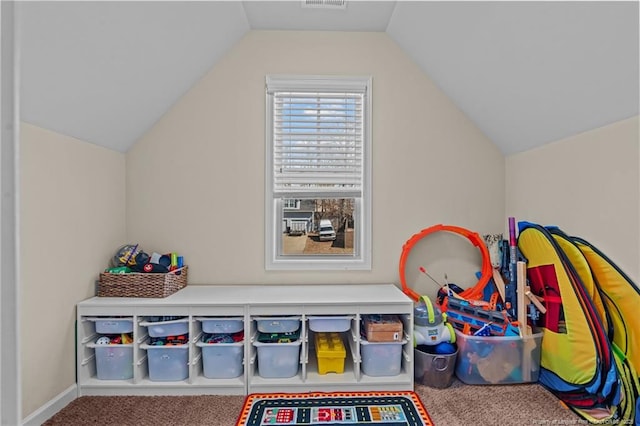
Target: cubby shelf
{"x":248,"y":303}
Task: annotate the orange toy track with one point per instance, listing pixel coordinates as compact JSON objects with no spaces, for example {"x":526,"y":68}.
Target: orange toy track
{"x":471,"y":293}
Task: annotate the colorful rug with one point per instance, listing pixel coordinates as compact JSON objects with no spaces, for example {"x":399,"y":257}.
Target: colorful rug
{"x":401,"y":408}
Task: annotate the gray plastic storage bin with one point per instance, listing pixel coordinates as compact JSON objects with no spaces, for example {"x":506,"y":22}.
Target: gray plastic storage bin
{"x":278,"y":359}
{"x":167,"y":328}
{"x":221,"y":325}
{"x":112,"y":325}
{"x":277,"y":324}
{"x":113,"y":362}
{"x":167,"y":363}
{"x":381,"y":358}
{"x":221,"y":360}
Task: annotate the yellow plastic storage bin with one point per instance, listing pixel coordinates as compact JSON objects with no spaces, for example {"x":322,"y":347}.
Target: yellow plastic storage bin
{"x":330,"y":352}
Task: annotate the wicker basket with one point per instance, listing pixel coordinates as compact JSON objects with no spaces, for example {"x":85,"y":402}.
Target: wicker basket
{"x":141,"y":284}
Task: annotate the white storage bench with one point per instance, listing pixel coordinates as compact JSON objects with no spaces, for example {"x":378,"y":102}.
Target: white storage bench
{"x":244,"y":366}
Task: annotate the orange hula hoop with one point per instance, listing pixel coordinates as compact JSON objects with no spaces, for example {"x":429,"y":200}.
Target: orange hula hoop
{"x":474,"y":292}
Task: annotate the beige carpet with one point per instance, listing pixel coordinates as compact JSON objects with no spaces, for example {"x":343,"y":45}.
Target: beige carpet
{"x":458,"y":405}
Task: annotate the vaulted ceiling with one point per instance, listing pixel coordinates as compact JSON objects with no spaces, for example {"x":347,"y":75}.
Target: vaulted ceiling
{"x":526,"y":73}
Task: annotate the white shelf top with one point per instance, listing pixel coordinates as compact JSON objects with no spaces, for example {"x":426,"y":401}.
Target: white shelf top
{"x":256,"y":295}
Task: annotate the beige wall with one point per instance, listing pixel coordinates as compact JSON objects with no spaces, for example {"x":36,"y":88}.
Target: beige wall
{"x":72,"y":216}
{"x":195,"y":181}
{"x":588,"y":185}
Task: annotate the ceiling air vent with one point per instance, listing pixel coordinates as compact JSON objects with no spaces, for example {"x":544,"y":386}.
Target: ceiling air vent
{"x":325,"y":4}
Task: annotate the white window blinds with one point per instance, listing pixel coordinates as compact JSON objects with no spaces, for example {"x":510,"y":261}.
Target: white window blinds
{"x":318,"y":139}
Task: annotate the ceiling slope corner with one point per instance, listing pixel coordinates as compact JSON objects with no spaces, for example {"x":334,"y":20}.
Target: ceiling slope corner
{"x":118,"y":94}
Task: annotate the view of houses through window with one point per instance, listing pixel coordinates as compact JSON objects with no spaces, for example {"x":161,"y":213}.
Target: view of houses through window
{"x":318,"y":203}
{"x":318,"y":226}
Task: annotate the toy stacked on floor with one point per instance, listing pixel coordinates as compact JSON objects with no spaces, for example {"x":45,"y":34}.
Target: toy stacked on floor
{"x":493,"y":321}
{"x":434,"y":339}
{"x":430,"y":326}
{"x":494,"y":332}
{"x":381,"y":344}
{"x":167,"y":347}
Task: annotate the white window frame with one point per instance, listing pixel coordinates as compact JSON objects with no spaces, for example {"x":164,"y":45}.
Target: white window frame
{"x":361,"y":259}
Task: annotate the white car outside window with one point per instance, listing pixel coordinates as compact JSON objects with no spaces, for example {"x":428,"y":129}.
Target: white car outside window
{"x":327,"y":233}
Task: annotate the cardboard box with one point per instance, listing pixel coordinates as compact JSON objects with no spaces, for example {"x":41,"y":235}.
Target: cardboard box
{"x":382,"y":328}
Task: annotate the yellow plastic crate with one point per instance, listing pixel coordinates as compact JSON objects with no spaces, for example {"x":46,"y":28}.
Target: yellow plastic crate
{"x":330,"y":352}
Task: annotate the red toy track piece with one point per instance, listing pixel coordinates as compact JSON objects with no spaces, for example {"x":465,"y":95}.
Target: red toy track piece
{"x":474,"y":292}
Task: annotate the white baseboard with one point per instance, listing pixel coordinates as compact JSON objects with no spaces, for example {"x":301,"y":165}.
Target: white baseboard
{"x":56,"y":404}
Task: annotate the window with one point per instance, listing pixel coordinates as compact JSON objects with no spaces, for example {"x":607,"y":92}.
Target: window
{"x":318,"y":172}
{"x":291,"y":204}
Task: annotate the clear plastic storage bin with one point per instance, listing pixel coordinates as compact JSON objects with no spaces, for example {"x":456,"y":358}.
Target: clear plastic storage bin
{"x":491,"y":360}
{"x":278,"y":359}
{"x":381,"y":358}
{"x":277,"y":324}
{"x":221,"y":325}
{"x":167,"y":328}
{"x":221,"y":360}
{"x":330,"y":323}
{"x":112,"y":325}
{"x":167,"y":363}
{"x":113,"y":362}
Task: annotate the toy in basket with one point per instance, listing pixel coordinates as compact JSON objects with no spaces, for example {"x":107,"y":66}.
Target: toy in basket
{"x":136,"y":274}
{"x":143,"y":284}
